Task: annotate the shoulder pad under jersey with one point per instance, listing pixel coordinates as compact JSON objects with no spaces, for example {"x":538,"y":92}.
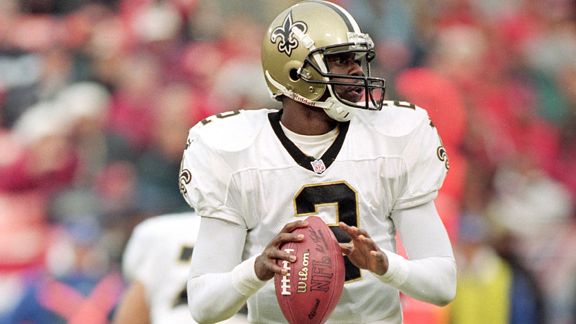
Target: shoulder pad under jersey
{"x":397,"y":118}
{"x":230,"y":131}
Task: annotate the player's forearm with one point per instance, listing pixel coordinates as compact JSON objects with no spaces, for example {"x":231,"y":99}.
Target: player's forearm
{"x":215,"y":302}
{"x":431,"y":279}
{"x":215,"y":297}
{"x":430,"y":273}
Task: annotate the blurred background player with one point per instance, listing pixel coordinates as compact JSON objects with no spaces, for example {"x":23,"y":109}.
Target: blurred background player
{"x":156,"y":264}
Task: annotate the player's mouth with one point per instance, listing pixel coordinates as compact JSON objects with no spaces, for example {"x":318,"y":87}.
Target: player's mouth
{"x":353,"y":94}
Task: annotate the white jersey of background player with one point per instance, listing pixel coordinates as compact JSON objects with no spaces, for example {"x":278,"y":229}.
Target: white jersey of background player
{"x":156,"y":263}
{"x":335,"y":150}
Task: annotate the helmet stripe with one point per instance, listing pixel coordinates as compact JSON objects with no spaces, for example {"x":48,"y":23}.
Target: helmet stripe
{"x":350,"y":22}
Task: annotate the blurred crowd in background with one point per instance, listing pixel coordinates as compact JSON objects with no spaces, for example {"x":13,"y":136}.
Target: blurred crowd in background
{"x":97,"y":96}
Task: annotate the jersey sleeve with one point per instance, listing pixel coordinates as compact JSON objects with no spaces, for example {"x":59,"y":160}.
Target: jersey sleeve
{"x":427,"y":164}
{"x":136,"y":261}
{"x":206,"y":179}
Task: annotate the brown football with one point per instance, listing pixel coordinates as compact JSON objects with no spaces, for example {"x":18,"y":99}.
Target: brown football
{"x":310,"y":290}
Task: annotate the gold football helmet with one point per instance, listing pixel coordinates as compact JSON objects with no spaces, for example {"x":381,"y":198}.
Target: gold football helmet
{"x":294,"y":53}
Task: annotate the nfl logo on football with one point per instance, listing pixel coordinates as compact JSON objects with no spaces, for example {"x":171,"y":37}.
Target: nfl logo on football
{"x":318,"y":166}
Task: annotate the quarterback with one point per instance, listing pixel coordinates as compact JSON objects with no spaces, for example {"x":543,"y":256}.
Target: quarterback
{"x":369,"y":167}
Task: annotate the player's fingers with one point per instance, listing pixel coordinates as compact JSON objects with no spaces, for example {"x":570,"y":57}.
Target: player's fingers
{"x":265,"y":268}
{"x":362,"y":232}
{"x":271,"y":261}
{"x":344,"y":226}
{"x":287,"y":237}
{"x":294,"y":225}
{"x":365,"y":239}
{"x":346,"y":248}
{"x":276,"y":268}
{"x":281,"y":255}
{"x":362,"y":239}
{"x":351,"y":230}
{"x":367,"y":243}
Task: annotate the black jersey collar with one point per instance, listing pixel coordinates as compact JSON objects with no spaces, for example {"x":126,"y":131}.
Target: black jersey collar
{"x":308,"y":162}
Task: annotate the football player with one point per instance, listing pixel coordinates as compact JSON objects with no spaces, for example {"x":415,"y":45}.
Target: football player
{"x":156,"y":263}
{"x":371,"y":168}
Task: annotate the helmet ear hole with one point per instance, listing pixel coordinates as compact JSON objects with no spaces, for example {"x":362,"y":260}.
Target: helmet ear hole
{"x":294,"y":75}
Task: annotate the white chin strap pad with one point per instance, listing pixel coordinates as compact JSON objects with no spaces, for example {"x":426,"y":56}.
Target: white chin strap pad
{"x":337,"y":110}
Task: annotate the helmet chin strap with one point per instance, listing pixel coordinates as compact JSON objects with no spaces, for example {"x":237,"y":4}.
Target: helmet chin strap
{"x":332,"y":106}
{"x":336,"y":109}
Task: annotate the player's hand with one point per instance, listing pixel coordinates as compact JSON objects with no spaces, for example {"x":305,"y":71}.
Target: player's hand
{"x":266,"y":264}
{"x":362,"y":251}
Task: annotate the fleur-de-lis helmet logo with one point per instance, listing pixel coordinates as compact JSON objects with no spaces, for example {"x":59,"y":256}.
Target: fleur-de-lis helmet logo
{"x":284,"y":34}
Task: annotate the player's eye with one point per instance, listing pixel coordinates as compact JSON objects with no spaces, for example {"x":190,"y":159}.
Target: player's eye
{"x":343,"y":59}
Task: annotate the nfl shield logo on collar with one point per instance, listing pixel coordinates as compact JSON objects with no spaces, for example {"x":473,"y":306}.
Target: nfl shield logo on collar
{"x":318,"y":166}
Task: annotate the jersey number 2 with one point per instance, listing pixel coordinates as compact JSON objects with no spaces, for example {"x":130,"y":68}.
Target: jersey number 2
{"x":343,"y":197}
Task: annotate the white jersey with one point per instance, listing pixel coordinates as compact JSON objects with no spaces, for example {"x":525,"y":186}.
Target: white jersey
{"x":158,"y":255}
{"x":238,"y":166}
